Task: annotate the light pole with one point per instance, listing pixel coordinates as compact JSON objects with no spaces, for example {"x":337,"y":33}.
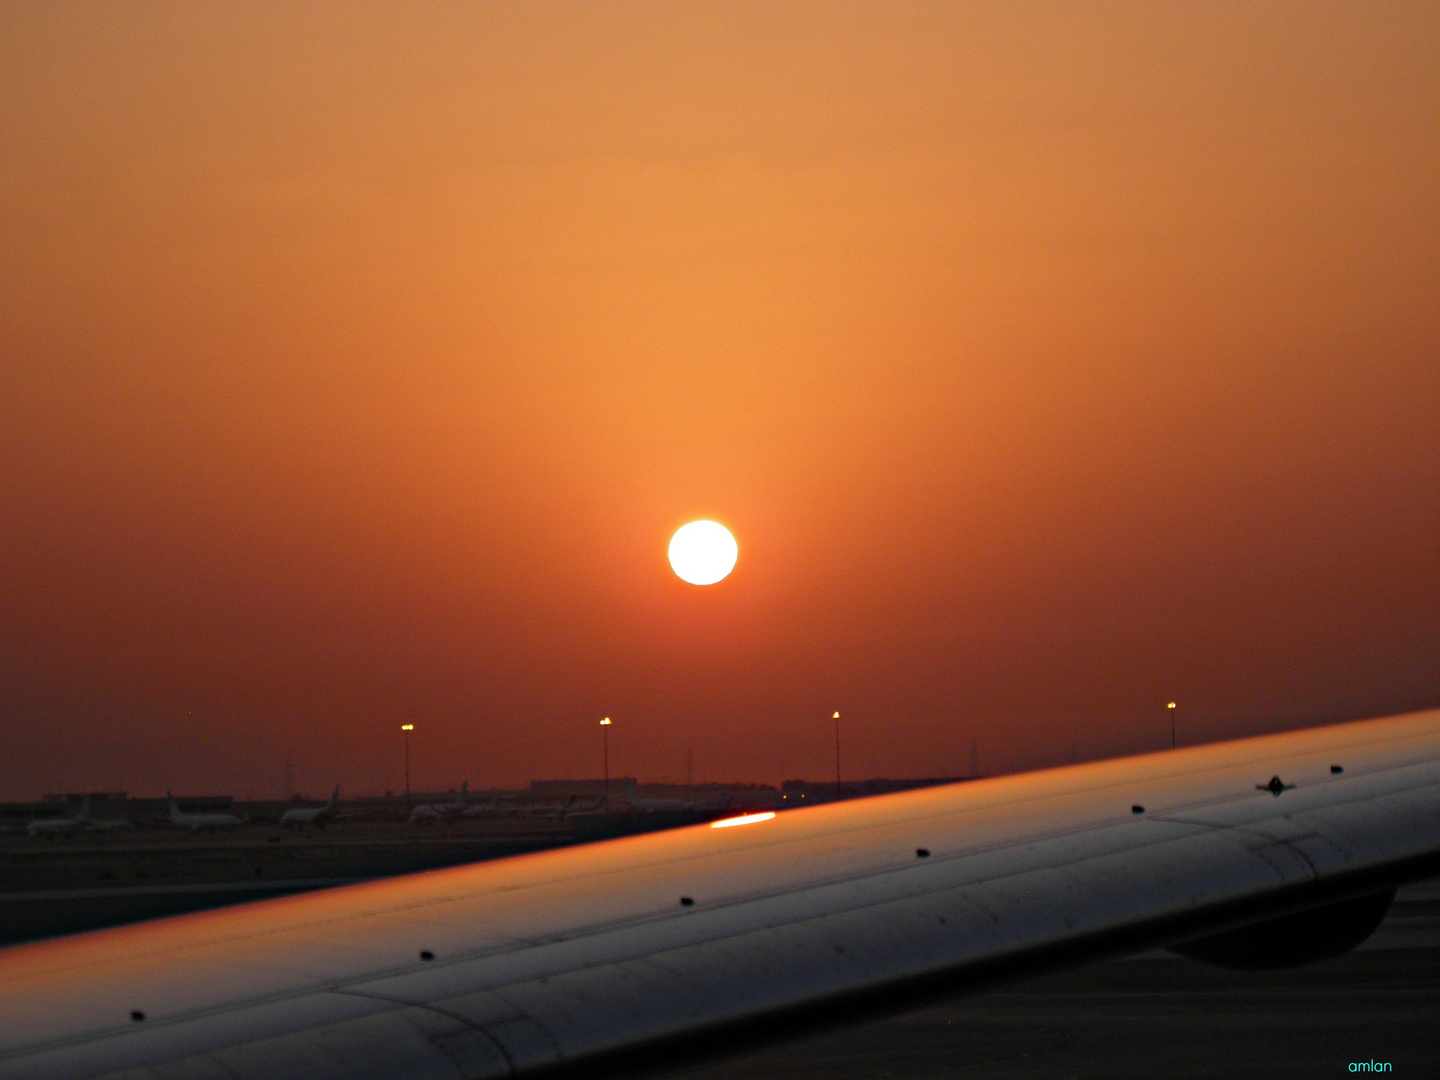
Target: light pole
{"x":605,"y":750}
{"x":837,"y":755}
{"x":1171,"y":709}
{"x":407,"y":728}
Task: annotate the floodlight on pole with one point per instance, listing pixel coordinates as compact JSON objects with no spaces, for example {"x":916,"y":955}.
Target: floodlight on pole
{"x":1171,"y":708}
{"x":837,"y":754}
{"x":605,"y":750}
{"x":407,"y":728}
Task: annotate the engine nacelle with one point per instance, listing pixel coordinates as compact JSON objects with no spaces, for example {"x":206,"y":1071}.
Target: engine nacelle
{"x":1292,"y":940}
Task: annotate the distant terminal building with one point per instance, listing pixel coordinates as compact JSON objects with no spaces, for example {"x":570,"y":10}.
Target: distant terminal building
{"x":78,"y":797}
{"x":702,"y":790}
{"x":564,"y":789}
{"x":629,"y":787}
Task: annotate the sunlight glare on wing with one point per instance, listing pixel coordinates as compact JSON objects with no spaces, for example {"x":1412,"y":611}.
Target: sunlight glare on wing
{"x":743,"y":819}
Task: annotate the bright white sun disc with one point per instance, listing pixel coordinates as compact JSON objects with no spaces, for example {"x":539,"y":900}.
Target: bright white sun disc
{"x":703,"y":552}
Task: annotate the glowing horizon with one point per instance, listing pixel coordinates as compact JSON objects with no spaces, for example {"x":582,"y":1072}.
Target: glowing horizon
{"x":361,"y":360}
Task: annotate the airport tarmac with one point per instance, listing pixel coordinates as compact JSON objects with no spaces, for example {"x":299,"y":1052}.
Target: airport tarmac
{"x":1157,"y":1016}
{"x":55,"y":886}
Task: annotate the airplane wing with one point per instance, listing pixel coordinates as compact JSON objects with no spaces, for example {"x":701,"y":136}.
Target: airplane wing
{"x":652,"y":949}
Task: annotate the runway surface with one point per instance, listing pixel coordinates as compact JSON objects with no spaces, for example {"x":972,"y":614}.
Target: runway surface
{"x":1158,"y":1016}
{"x":51,"y":887}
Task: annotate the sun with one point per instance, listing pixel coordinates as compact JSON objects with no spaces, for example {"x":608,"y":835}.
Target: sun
{"x":703,"y":552}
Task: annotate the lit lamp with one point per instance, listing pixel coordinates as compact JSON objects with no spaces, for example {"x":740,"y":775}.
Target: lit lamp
{"x":1171,"y":708}
{"x":837,"y":755}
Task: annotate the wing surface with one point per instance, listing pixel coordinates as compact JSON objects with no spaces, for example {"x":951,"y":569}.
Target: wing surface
{"x":618,"y":951}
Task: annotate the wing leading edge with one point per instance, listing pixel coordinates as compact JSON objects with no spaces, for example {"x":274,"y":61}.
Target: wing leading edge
{"x":641,"y":949}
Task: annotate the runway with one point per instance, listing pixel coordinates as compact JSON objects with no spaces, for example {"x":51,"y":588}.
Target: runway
{"x":99,"y":880}
{"x":1158,"y":1016}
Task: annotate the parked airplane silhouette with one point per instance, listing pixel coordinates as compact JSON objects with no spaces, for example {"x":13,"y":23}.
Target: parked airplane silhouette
{"x":447,"y":812}
{"x":61,"y":826}
{"x":69,"y":826}
{"x":196,"y":822}
{"x":311,"y":815}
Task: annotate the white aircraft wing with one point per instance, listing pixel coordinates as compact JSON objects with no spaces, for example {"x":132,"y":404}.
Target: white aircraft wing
{"x":654,"y":948}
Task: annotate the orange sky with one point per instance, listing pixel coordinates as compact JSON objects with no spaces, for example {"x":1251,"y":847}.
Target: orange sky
{"x":1048,"y":362}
